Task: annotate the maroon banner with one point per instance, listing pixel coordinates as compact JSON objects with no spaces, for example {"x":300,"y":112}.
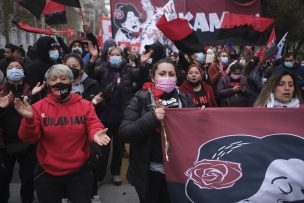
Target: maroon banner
{"x":235,"y":155}
{"x":205,"y":16}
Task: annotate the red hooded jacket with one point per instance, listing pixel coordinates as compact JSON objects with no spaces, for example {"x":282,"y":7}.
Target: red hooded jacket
{"x":186,"y":88}
{"x":63,"y":132}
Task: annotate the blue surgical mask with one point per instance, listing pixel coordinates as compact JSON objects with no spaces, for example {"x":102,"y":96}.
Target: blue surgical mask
{"x":54,"y":55}
{"x":288,"y":64}
{"x":200,"y":57}
{"x":115,"y":61}
{"x":224,"y":59}
{"x":15,"y":74}
{"x":302,"y":65}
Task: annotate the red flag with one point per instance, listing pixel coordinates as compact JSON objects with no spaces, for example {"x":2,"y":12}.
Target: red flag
{"x":234,"y":155}
{"x":71,"y":3}
{"x":26,"y":27}
{"x":247,"y":27}
{"x":270,"y":48}
{"x":186,"y":41}
{"x":54,"y":13}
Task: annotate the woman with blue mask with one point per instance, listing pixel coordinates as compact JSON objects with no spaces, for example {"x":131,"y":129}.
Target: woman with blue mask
{"x":15,"y":149}
{"x":54,"y":54}
{"x":116,"y":82}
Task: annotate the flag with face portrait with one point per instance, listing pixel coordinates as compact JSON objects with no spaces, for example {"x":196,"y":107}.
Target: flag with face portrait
{"x":234,"y":155}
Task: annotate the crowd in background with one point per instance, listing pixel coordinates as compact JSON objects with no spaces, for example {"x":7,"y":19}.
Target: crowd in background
{"x":115,"y":81}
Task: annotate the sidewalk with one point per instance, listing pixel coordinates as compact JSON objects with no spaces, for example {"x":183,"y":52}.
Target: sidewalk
{"x":108,"y":192}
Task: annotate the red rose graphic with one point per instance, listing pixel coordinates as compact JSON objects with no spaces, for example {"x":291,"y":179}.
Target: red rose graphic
{"x":214,"y":174}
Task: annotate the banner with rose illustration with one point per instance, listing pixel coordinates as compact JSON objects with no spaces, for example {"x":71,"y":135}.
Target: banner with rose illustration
{"x":234,"y":155}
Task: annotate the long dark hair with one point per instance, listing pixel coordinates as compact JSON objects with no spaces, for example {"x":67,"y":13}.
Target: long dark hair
{"x":155,"y":66}
{"x":76,"y":56}
{"x":272,"y":83}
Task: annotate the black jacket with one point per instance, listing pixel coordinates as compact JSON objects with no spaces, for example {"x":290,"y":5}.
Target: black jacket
{"x":138,"y":127}
{"x":91,"y":88}
{"x":116,"y":99}
{"x":10,"y":119}
{"x":36,"y":70}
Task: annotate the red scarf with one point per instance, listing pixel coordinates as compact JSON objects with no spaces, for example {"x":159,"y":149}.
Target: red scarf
{"x":156,"y":92}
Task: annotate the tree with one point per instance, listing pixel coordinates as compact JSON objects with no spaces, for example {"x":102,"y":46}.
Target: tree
{"x":289,"y":17}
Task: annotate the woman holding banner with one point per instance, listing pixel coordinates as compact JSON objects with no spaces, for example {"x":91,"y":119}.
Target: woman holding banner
{"x":141,"y":127}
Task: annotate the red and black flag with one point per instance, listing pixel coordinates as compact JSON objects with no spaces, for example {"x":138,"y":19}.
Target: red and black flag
{"x":71,"y":3}
{"x":247,"y":27}
{"x":234,"y":155}
{"x":54,"y":13}
{"x":28,"y":28}
{"x":271,"y":47}
{"x":35,"y":8}
{"x":180,"y":33}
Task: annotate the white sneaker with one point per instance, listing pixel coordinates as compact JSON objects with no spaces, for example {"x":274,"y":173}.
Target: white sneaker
{"x":65,"y":200}
{"x":96,"y":199}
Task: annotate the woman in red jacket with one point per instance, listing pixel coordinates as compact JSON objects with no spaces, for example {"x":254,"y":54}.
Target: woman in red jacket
{"x":201,"y":93}
{"x":63,"y":124}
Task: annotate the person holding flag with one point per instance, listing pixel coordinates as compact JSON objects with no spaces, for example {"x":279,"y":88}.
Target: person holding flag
{"x":141,"y":127}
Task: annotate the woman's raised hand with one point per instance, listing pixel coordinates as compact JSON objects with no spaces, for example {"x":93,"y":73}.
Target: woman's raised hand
{"x":38,"y":88}
{"x":6,"y":100}
{"x":23,"y":108}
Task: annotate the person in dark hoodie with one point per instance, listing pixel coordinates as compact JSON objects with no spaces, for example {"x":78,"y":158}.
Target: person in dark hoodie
{"x":80,"y":46}
{"x":48,"y":54}
{"x":15,"y":149}
{"x":63,"y":125}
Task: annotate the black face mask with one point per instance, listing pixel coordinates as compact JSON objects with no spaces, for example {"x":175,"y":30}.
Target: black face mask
{"x":60,"y":91}
{"x":76,"y":72}
{"x":132,"y":57}
{"x":194,"y":84}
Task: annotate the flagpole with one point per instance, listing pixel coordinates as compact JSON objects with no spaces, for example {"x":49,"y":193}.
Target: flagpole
{"x":166,"y":141}
{"x":81,"y":12}
{"x":153,"y":105}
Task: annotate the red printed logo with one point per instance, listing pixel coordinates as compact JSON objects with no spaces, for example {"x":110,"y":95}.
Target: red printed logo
{"x":214,"y":174}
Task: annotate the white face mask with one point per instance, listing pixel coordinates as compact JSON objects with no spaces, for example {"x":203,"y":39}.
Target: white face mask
{"x":288,"y":64}
{"x":243,"y":62}
{"x":224,"y":59}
